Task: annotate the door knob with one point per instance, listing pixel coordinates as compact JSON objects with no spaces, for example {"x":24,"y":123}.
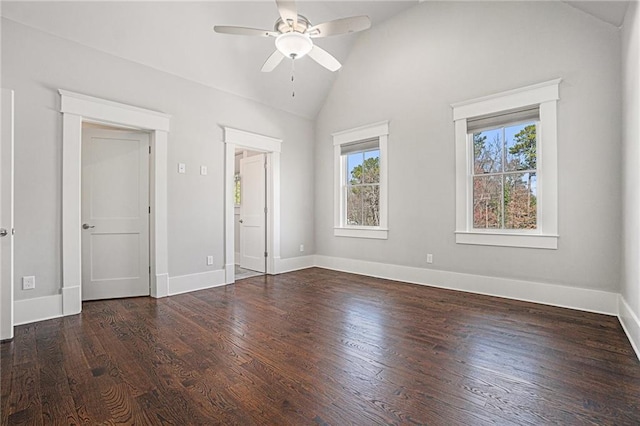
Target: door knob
{"x":87,"y":226}
{"x":241,"y":221}
{"x":3,"y":232}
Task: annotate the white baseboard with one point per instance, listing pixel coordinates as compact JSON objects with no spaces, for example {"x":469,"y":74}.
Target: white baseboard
{"x":293,"y":264}
{"x":582,"y":299}
{"x":160,"y":286}
{"x":71,"y":300}
{"x":37,"y":309}
{"x":630,"y":324}
{"x":192,"y":282}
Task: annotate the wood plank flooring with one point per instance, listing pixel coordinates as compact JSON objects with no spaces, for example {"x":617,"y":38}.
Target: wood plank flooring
{"x":319,"y":347}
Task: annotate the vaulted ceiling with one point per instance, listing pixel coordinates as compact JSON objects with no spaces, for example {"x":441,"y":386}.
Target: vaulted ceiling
{"x":177,"y":37}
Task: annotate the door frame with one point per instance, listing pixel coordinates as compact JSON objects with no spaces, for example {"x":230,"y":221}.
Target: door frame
{"x":234,"y":138}
{"x":7,"y":288}
{"x":77,"y":108}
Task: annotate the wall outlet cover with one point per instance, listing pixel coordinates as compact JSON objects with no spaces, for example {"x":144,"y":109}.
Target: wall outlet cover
{"x":209,"y":260}
{"x":28,"y":283}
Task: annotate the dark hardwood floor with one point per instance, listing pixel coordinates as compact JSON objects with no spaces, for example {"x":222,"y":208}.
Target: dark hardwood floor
{"x":321,"y":347}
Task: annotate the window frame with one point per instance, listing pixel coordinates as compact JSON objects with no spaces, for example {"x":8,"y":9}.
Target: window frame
{"x":378,"y":131}
{"x":545,"y":95}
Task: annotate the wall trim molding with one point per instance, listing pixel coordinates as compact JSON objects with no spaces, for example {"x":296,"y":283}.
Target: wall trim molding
{"x":630,"y":324}
{"x":37,"y":309}
{"x":234,"y":138}
{"x":294,"y":263}
{"x":193,"y":282}
{"x":77,"y":108}
{"x":582,"y":299}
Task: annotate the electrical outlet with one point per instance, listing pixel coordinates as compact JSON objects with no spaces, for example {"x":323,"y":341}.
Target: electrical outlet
{"x":301,"y":248}
{"x":28,"y":283}
{"x":429,"y":258}
{"x":209,"y":260}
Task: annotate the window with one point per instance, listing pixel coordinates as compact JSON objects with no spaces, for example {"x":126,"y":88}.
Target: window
{"x":506,"y":168}
{"x":237,"y":188}
{"x":360,"y":182}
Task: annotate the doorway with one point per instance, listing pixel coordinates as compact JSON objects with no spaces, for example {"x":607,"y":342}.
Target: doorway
{"x":77,"y":109}
{"x":115,"y":212}
{"x":239,"y":139}
{"x":250,"y":179}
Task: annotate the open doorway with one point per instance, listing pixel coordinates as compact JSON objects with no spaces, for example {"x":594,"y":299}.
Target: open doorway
{"x":234,"y":139}
{"x":250,"y":213}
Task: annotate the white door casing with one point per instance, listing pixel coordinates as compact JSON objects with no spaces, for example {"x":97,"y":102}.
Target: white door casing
{"x":115,"y":214}
{"x":240,"y":139}
{"x":252,"y":213}
{"x":77,"y":108}
{"x":6,"y":217}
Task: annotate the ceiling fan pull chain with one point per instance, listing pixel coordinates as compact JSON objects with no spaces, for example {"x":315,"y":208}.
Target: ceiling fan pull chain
{"x":293,"y":78}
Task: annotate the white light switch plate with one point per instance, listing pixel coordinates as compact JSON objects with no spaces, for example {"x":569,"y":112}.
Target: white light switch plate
{"x":182,"y":168}
{"x":203,"y":170}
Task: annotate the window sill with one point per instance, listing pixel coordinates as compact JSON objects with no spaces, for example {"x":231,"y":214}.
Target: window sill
{"x":372,"y":233}
{"x":540,"y":241}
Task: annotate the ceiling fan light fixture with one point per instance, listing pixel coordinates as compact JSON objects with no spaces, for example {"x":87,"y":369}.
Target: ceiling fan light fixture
{"x":294,"y":44}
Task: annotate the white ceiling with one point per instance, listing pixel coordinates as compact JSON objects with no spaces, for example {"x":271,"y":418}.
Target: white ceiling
{"x":611,"y":11}
{"x":178,"y":38}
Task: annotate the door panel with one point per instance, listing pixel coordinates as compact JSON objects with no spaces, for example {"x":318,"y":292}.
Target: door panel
{"x":252,"y":214}
{"x":115,"y":211}
{"x":6,"y":217}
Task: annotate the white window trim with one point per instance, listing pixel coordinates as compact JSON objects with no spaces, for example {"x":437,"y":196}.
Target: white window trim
{"x":377,"y":130}
{"x":545,"y":95}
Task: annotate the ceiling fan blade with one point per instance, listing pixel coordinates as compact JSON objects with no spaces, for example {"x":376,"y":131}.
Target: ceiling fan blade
{"x":324,"y":58}
{"x":272,"y":61}
{"x":222,"y":29}
{"x":340,"y":26}
{"x":288,"y":11}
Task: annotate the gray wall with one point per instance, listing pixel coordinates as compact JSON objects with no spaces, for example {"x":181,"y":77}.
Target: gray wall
{"x":411,"y":68}
{"x":36,"y":64}
{"x":631,"y":154}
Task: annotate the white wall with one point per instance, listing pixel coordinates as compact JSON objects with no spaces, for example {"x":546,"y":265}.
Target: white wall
{"x":36,"y":64}
{"x":410,"y":69}
{"x":631,"y":172}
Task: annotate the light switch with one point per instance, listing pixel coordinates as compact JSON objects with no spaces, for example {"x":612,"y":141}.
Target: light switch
{"x":203,"y":170}
{"x":182,"y":168}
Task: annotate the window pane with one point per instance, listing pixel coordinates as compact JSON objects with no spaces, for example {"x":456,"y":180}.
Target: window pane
{"x":520,"y":148}
{"x":371,"y":205}
{"x":487,"y":202}
{"x":520,"y":201}
{"x":354,"y":206}
{"x":487,"y":151}
{"x":236,"y":190}
{"x":354,"y":168}
{"x":371,"y":167}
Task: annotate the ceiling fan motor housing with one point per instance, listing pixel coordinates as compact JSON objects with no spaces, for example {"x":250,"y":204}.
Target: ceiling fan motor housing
{"x":286,"y":27}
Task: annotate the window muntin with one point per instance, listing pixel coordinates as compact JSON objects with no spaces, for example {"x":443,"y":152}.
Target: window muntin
{"x":362,"y":188}
{"x":504,"y":177}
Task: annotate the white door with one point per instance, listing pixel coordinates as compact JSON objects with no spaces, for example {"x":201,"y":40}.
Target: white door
{"x":115,"y":214}
{"x":6,"y":217}
{"x":252,"y":214}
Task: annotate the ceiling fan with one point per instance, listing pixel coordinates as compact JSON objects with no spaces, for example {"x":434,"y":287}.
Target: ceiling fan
{"x":294,"y":34}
